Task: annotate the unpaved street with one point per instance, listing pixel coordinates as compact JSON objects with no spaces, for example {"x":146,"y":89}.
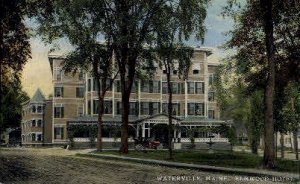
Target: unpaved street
{"x":55,"y":165}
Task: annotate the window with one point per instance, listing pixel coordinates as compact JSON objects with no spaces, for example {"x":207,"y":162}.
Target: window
{"x":195,"y":72}
{"x":108,"y":84}
{"x":39,"y":109}
{"x":95,"y":107}
{"x":164,"y":71}
{"x":58,"y":74}
{"x":107,"y":107}
{"x":33,"y":109}
{"x":155,"y":108}
{"x":211,"y":96}
{"x":150,"y":108}
{"x":199,"y":87}
{"x":134,"y":87}
{"x":177,"y":87}
{"x":119,"y":107}
{"x":196,"y":109}
{"x":118,"y":86}
{"x":89,"y":85}
{"x":39,"y":137}
{"x":58,"y":91}
{"x":95,"y":85}
{"x":133,"y":108}
{"x":211,"y":79}
{"x":174,"y":72}
{"x":191,"y":87}
{"x":89,"y":107}
{"x":164,"y":87}
{"x":80,"y":110}
{"x":145,"y":86}
{"x":145,"y":108}
{"x":211,"y":114}
{"x":79,"y":92}
{"x":33,"y":136}
{"x":59,"y":112}
{"x":80,"y":75}
{"x":156,"y":87}
{"x":39,"y":123}
{"x":33,"y":123}
{"x":175,"y":109}
{"x":58,"y":132}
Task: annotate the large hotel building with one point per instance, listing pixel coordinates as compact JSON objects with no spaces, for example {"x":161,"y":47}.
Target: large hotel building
{"x":74,"y":102}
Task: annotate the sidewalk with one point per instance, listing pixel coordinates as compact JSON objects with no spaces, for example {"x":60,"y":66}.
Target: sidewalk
{"x":240,"y":171}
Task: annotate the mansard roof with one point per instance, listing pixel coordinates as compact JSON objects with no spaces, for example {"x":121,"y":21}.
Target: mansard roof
{"x":38,"y":97}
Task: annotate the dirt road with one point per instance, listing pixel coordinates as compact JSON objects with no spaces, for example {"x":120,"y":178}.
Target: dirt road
{"x":54,"y":165}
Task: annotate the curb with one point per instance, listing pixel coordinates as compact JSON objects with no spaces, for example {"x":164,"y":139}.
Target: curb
{"x":249,"y":172}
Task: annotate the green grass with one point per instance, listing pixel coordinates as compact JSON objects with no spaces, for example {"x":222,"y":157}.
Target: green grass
{"x":223,"y":159}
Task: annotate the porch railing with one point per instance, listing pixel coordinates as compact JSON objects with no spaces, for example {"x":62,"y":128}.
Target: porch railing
{"x":204,"y":140}
{"x":104,"y":139}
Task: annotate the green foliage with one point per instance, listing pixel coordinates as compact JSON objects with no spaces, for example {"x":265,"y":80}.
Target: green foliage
{"x":14,"y":53}
{"x":256,"y":120}
{"x":14,"y":41}
{"x":91,"y":129}
{"x":127,"y":26}
{"x":12,"y":99}
{"x":291,"y":109}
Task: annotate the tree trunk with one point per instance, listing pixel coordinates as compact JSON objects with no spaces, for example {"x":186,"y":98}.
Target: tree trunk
{"x":125,"y":121}
{"x":254,"y":145}
{"x":100,"y":105}
{"x":100,"y":123}
{"x":169,"y":113}
{"x":275,"y":144}
{"x":282,"y":144}
{"x":296,"y":144}
{"x":269,"y":151}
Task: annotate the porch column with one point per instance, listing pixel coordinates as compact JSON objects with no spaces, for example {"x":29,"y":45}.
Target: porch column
{"x":175,"y":136}
{"x":143,"y":130}
{"x":137,"y":131}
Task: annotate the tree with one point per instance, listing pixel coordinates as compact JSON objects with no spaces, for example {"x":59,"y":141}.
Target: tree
{"x":291,"y":112}
{"x":169,"y":55}
{"x":255,"y":122}
{"x":257,"y":57}
{"x":80,"y":24}
{"x":133,"y":24}
{"x":130,"y":26}
{"x":100,"y":58}
{"x":14,"y":53}
{"x":11,"y":106}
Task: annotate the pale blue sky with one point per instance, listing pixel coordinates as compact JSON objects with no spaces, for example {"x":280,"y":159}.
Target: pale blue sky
{"x":37,"y":71}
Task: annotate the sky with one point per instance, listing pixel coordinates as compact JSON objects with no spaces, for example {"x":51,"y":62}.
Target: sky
{"x":37,"y":72}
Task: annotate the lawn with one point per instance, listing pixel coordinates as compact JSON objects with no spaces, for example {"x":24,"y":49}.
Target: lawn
{"x":223,"y":159}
